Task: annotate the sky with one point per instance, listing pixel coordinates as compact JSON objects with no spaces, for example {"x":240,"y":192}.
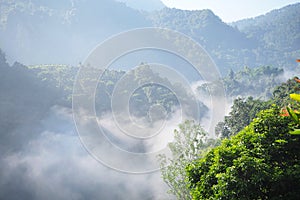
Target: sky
{"x":231,"y":10}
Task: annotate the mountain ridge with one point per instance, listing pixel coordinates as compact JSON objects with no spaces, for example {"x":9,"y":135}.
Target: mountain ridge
{"x":148,"y":5}
{"x":65,"y":32}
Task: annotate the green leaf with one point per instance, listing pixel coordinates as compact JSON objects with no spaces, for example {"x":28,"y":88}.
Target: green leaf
{"x":293,"y":114}
{"x":295,"y":97}
{"x":295,"y":132}
{"x":280,"y":141}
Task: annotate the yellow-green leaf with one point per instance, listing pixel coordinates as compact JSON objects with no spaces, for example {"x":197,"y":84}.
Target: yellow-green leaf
{"x":295,"y":96}
{"x":292,"y":114}
{"x":295,"y":132}
{"x":281,"y":141}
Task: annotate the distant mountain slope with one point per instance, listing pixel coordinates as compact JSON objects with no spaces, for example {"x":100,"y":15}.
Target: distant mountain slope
{"x":277,"y":34}
{"x":271,"y":39}
{"x":35,"y":32}
{"x":147,"y":5}
{"x":223,"y":42}
{"x":203,"y":25}
{"x":64,"y":32}
{"x":278,"y":29}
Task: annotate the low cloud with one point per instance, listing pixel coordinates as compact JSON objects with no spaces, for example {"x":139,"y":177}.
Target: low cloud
{"x":54,"y":165}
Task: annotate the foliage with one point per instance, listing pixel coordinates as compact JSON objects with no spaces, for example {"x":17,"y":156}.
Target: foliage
{"x":295,"y":114}
{"x":141,"y":85}
{"x":258,"y":81}
{"x":243,"y":111}
{"x":295,"y":97}
{"x":24,"y":100}
{"x":274,"y":34}
{"x":62,"y":78}
{"x":260,"y":162}
{"x":190,"y":141}
{"x":268,"y":39}
{"x":281,"y":93}
{"x":23,"y":93}
{"x":205,"y":27}
{"x":202,"y":25}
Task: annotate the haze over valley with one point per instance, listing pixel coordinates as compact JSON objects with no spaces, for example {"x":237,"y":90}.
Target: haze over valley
{"x":92,"y":91}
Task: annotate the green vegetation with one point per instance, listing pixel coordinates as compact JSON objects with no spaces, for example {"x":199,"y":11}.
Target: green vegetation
{"x":260,"y":162}
{"x":202,"y":25}
{"x":294,"y":114}
{"x":244,"y":110}
{"x":62,"y":77}
{"x":271,"y":39}
{"x":258,"y":156}
{"x":281,"y":93}
{"x":274,"y":34}
{"x":190,"y":141}
{"x":242,"y":113}
{"x":229,"y":50}
{"x":24,"y":100}
{"x":258,"y":81}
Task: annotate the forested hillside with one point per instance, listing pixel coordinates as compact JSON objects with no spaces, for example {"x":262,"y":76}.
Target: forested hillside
{"x":24,"y":100}
{"x":260,"y":162}
{"x":256,"y":157}
{"x":120,"y":142}
{"x":228,"y":46}
{"x":275,"y":36}
{"x":29,"y":31}
{"x":271,"y":39}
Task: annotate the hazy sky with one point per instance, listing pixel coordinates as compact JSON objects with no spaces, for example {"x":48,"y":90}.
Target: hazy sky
{"x":231,"y":10}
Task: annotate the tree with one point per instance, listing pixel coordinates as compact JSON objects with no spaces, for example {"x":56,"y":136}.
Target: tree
{"x":260,"y":162}
{"x":190,"y":141}
{"x":243,"y":111}
{"x":258,"y":81}
{"x":281,"y":92}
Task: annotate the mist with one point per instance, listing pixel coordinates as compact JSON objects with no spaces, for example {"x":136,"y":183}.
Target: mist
{"x":64,"y":137}
{"x":55,"y":165}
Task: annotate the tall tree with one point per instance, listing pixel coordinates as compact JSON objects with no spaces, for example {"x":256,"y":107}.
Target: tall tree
{"x":190,"y":141}
{"x":243,"y":111}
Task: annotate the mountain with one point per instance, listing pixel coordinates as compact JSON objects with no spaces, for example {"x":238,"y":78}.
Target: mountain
{"x":146,"y":5}
{"x":202,"y":25}
{"x":276,"y":35}
{"x":64,"y":32}
{"x":41,"y":154}
{"x":35,"y":32}
{"x":22,"y":92}
{"x":278,"y":29}
{"x":271,"y":39}
{"x":222,"y":41}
